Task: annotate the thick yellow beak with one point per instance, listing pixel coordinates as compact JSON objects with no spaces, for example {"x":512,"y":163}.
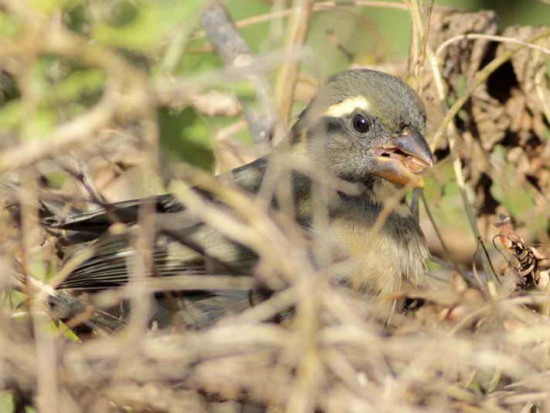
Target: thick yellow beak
{"x":404,"y":159}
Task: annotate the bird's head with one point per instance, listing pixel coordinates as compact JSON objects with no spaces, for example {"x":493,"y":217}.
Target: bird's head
{"x":367,"y":125}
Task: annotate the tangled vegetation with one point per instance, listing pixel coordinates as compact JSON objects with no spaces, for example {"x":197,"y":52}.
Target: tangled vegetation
{"x":103,"y":101}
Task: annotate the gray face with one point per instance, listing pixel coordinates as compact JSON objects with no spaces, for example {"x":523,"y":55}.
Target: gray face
{"x":357,"y":112}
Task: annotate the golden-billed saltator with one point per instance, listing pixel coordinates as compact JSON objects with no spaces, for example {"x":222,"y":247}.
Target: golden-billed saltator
{"x":364,"y":127}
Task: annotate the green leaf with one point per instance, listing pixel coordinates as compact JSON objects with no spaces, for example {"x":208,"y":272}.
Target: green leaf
{"x":7,"y":404}
{"x":185,"y":136}
{"x":151,"y":25}
{"x":10,"y":115}
{"x":66,"y":331}
{"x":8,"y":26}
{"x":56,"y":179}
{"x":254,"y":35}
{"x":40,"y":124}
{"x":77,"y":84}
{"x":51,"y":6}
{"x":516,"y":196}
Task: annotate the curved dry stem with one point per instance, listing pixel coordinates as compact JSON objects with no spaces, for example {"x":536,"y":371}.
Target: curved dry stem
{"x":494,"y":38}
{"x":318,"y":6}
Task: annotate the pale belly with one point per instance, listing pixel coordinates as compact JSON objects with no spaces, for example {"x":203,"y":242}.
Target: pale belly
{"x":379,"y":263}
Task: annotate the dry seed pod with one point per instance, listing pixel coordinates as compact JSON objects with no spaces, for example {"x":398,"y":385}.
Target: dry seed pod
{"x":525,"y":258}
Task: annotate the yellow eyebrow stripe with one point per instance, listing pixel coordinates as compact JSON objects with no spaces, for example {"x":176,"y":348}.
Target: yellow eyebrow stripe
{"x":348,"y":106}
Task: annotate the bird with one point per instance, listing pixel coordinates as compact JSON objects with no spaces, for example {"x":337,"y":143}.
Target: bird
{"x":363,"y":127}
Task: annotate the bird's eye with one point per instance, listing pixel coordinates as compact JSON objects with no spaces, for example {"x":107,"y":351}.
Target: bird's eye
{"x":360,"y":124}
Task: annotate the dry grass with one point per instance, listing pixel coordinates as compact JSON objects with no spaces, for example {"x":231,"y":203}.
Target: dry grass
{"x":480,"y":343}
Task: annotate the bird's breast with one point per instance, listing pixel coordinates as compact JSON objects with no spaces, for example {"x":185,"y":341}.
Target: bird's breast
{"x":379,"y":261}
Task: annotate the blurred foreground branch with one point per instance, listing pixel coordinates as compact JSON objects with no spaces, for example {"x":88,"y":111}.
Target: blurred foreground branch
{"x":234,"y":52}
